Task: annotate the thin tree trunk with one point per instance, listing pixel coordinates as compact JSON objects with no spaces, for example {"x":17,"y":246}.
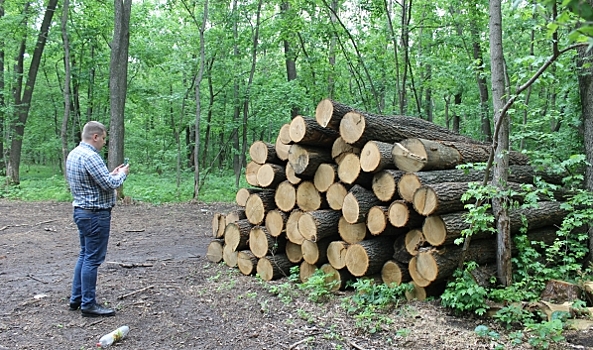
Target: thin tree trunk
{"x":289,"y":54}
{"x":23,"y":103}
{"x":67,"y":75}
{"x":2,"y":100}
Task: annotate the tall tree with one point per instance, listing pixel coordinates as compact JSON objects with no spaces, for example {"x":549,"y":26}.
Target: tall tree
{"x":24,"y":95}
{"x":67,"y":76}
{"x":501,"y":144}
{"x":118,"y":81}
{"x":2,"y":99}
{"x":198,"y":83}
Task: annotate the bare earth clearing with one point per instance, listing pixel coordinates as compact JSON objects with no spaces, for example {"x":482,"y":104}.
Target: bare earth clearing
{"x":157,"y":277}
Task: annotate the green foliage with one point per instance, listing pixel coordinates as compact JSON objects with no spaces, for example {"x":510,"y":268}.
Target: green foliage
{"x":464,"y":294}
{"x":317,"y":287}
{"x":513,"y":315}
{"x":542,"y":335}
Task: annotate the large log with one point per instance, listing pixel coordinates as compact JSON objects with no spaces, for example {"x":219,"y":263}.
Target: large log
{"x":334,"y":278}
{"x":292,"y":227}
{"x":306,"y":270}
{"x":384,"y":184}
{"x":251,"y":170}
{"x":306,"y":131}
{"x":285,"y":196}
{"x":410,"y":182}
{"x":263,"y":152}
{"x":421,"y":293}
{"x":291,"y":176}
{"x":246,"y":262}
{"x":284,"y":134}
{"x":401,"y":214}
{"x":413,"y":240}
{"x":400,"y":251}
{"x":329,"y":113}
{"x":306,"y":159}
{"x":234,"y":216}
{"x":294,"y":252}
{"x":336,"y":254}
{"x":308,"y":198}
{"x":394,"y":273}
{"x":440,"y":198}
{"x":415,"y":154}
{"x":318,"y":224}
{"x":377,"y":220}
{"x":335,"y":195}
{"x":358,"y":128}
{"x":214,"y":251}
{"x":218,"y":225}
{"x":236,"y":234}
{"x":244,"y":193}
{"x":316,"y":252}
{"x":261,"y":243}
{"x":282,"y":144}
{"x":325,"y":176}
{"x":368,"y":257}
{"x":349,"y":171}
{"x":340,"y":148}
{"x":357,"y":203}
{"x":275,"y":222}
{"x":444,"y":229}
{"x":257,"y":205}
{"x":270,"y":175}
{"x":376,"y":156}
{"x":273,"y":267}
{"x":229,"y":256}
{"x":352,"y":233}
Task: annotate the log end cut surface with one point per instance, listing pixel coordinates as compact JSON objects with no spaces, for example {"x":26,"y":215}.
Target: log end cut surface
{"x":352,"y":127}
{"x":391,"y":273}
{"x":214,"y":251}
{"x":425,"y":200}
{"x":357,"y":260}
{"x":336,"y":254}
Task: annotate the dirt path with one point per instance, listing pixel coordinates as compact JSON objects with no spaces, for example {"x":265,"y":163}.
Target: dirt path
{"x":171,"y":297}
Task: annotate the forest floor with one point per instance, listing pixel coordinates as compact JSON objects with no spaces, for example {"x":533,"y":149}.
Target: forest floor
{"x":157,"y":278}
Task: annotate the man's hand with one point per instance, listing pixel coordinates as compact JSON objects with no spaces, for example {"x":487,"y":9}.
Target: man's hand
{"x":121,"y":168}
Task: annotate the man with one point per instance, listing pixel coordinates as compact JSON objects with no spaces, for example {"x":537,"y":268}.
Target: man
{"x":93,"y":189}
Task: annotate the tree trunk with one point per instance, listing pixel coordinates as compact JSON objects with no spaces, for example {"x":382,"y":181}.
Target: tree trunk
{"x":318,"y":224}
{"x":282,"y":145}
{"x":340,"y":149}
{"x":197,"y":84}
{"x":229,"y":256}
{"x":306,"y":131}
{"x":376,"y":156}
{"x":67,"y":79}
{"x":218,"y":225}
{"x":23,"y":103}
{"x":334,"y":278}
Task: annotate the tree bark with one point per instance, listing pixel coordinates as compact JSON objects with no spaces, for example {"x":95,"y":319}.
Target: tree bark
{"x":368,"y":257}
{"x":306,"y":131}
{"x":246,"y":262}
{"x":376,"y":156}
{"x":67,"y":80}
{"x":329,"y":113}
{"x":357,"y":203}
{"x":273,"y":267}
{"x":318,"y":224}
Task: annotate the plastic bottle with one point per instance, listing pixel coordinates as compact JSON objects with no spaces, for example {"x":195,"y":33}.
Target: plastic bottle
{"x":113,"y":337}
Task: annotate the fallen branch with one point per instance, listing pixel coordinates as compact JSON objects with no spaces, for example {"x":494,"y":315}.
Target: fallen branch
{"x":294,"y":345}
{"x":4,"y":228}
{"x":135,"y":292}
{"x":44,"y":222}
{"x":36,"y":279}
{"x":356,"y":346}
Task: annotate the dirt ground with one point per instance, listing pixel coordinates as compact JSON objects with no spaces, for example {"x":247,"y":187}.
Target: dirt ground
{"x":157,"y":278}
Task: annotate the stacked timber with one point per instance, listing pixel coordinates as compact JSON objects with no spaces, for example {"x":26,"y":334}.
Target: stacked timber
{"x":357,"y":194}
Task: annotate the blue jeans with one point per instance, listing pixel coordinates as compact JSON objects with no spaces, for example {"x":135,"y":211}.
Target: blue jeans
{"x":93,"y":231}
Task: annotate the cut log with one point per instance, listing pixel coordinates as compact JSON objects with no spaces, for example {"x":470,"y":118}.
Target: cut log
{"x":384,"y":184}
{"x":444,"y":229}
{"x":395,"y":273}
{"x":229,"y":256}
{"x":340,"y":148}
{"x":316,"y":252}
{"x":318,"y":224}
{"x":293,"y":252}
{"x":306,"y":131}
{"x":415,"y":154}
{"x":261,"y":243}
{"x":263,"y":152}
{"x":273,"y":267}
{"x":421,"y":293}
{"x":368,"y":257}
{"x":377,"y":220}
{"x":336,"y":279}
{"x":280,"y":147}
{"x":325,"y":176}
{"x":292,"y":227}
{"x":244,"y":193}
{"x":335,"y":195}
{"x":214,"y":251}
{"x":246,"y":262}
{"x":401,"y":214}
{"x":357,"y":203}
{"x":440,"y":198}
{"x":251,"y":170}
{"x":376,"y":156}
{"x":308,"y":198}
{"x":400,"y":251}
{"x":306,"y":159}
{"x":349,"y":172}
{"x":257,"y":205}
{"x":234,"y":216}
{"x":270,"y":175}
{"x":275,"y":222}
{"x":329,"y":113}
{"x":236,"y":234}
{"x":291,"y":176}
{"x":352,"y":233}
{"x":218,"y":225}
{"x":284,"y":134}
{"x":306,"y":270}
{"x":336,"y":254}
{"x":358,"y":128}
{"x":285,"y":196}
{"x":413,"y":241}
{"x":418,"y":279}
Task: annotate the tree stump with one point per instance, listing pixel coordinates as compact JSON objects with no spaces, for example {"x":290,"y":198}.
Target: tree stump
{"x":414,"y":239}
{"x":281,"y":147}
{"x":229,"y":256}
{"x":440,"y":198}
{"x":349,"y":171}
{"x":244,"y":193}
{"x":306,"y":270}
{"x":218,"y":225}
{"x":377,"y":220}
{"x":291,"y":176}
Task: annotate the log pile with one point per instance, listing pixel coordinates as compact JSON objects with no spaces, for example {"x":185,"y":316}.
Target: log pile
{"x":357,"y":194}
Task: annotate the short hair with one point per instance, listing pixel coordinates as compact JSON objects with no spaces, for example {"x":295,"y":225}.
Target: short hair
{"x":92,"y":128}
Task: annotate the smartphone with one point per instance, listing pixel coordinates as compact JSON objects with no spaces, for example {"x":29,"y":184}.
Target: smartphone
{"x":126,"y":161}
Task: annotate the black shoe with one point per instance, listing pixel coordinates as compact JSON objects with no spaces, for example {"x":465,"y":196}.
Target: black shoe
{"x":74,"y":305}
{"x":96,"y":311}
